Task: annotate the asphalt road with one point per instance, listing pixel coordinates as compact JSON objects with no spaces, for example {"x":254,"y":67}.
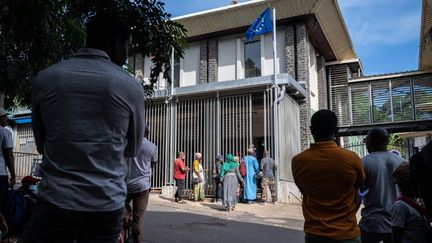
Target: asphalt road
{"x":168,"y":224}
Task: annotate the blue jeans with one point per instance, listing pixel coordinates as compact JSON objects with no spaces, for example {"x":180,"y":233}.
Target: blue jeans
{"x":52,"y":224}
{"x":320,"y":239}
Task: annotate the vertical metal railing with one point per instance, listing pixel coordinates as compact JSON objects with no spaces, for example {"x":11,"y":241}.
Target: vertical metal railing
{"x":236,"y":122}
{"x":391,"y":100}
{"x":268,"y":120}
{"x":156,"y":118}
{"x":210,"y":126}
{"x":24,"y":163}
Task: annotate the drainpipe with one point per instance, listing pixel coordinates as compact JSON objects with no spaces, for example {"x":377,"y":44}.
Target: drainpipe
{"x":281,"y":94}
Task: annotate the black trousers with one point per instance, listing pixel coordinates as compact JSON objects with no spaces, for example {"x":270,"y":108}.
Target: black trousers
{"x":218,"y":191}
{"x":180,"y":189}
{"x":4,"y":185}
{"x":52,"y":224}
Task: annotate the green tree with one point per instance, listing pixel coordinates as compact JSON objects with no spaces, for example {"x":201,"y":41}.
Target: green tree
{"x":35,"y":34}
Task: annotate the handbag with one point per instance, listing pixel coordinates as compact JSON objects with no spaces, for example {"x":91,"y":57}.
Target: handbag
{"x":195,"y":181}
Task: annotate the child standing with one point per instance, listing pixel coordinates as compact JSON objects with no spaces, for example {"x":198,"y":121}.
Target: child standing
{"x":409,"y":220}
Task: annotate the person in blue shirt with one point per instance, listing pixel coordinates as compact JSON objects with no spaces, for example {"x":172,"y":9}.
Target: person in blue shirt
{"x":252,"y":167}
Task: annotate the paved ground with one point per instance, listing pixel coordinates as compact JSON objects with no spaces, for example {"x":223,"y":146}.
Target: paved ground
{"x":167,"y":221}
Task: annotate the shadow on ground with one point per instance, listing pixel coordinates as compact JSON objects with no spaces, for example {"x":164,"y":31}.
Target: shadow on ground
{"x":215,"y":206}
{"x":183,"y":227}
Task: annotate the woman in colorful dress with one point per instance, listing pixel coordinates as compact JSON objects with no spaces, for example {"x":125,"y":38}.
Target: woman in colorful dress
{"x":198,"y":178}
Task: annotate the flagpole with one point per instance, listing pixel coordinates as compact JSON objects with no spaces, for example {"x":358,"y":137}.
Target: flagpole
{"x":274,"y":46}
{"x":275,"y":105}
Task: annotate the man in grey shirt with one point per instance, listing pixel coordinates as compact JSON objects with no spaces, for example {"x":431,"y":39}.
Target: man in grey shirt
{"x":268,"y":167}
{"x":87,"y":116}
{"x":375,"y":224}
{"x":6,"y":159}
{"x":138,"y":182}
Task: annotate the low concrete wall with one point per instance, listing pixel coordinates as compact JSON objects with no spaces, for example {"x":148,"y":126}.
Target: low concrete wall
{"x":289,"y":193}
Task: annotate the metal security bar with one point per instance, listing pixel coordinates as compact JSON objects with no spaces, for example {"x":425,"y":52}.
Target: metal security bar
{"x":391,"y":100}
{"x":268,"y":121}
{"x":156,"y":118}
{"x":423,"y":97}
{"x":195,"y":126}
{"x":24,"y":140}
{"x":212,"y":126}
{"x":360,"y":100}
{"x":401,"y":100}
{"x":339,"y":97}
{"x":236,"y":124}
{"x":24,"y":163}
{"x":381,"y":107}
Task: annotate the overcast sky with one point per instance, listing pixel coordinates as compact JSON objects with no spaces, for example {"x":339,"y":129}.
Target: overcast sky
{"x":385,"y":33}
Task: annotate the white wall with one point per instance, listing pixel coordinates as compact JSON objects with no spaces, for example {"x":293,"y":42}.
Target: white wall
{"x":267,"y":53}
{"x":190,"y":65}
{"x":230,"y":59}
{"x":313,"y":79}
{"x":161,"y":83}
{"x":280,"y":49}
{"x":227,"y":59}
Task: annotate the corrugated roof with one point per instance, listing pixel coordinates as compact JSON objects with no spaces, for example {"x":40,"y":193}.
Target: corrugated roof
{"x":425,"y":53}
{"x":240,"y":15}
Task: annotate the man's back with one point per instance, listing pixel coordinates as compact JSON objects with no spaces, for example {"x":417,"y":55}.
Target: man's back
{"x":85,"y":111}
{"x":378,"y":167}
{"x":140,"y":167}
{"x":327,"y":177}
{"x":251,"y":163}
{"x":268,"y":166}
{"x":5,"y":142}
{"x":178,"y":173}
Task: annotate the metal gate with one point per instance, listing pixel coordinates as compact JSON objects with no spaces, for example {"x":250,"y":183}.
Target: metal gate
{"x":236,"y":124}
{"x":195,"y":129}
{"x":156,"y":118}
{"x":212,"y":126}
{"x":269,"y":121}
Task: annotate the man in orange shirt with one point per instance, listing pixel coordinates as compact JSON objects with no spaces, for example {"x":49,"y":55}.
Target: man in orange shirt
{"x":328,"y":177}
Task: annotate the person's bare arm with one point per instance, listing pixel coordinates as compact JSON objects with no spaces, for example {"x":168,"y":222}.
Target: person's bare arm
{"x":184,"y":168}
{"x":9,"y":159}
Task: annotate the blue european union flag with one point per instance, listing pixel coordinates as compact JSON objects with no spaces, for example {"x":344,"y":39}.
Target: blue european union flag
{"x":263,"y":24}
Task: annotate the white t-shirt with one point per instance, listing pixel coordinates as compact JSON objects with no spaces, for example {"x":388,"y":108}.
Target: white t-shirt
{"x":5,"y":142}
{"x":13,"y":139}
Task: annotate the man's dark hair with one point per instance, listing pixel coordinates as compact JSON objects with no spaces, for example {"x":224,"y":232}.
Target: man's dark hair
{"x":103,"y":28}
{"x":324,"y":124}
{"x":377,"y":139}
